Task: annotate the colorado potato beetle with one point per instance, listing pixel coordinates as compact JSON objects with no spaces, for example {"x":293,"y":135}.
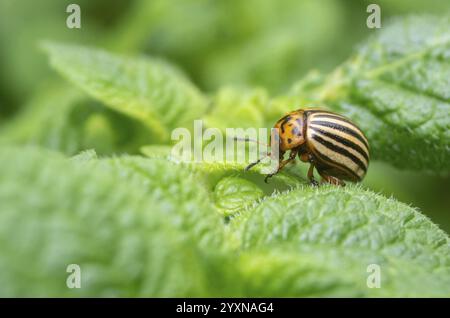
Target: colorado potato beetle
{"x":330,"y":142}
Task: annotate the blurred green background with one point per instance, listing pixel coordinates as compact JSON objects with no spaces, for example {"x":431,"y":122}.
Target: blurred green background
{"x":262,"y":43}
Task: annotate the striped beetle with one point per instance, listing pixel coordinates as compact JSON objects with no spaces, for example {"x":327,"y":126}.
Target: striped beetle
{"x":331,"y":143}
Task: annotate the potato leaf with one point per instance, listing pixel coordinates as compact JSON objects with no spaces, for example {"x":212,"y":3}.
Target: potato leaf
{"x":147,"y":89}
{"x":131,"y":231}
{"x":321,"y":242}
{"x":64,"y":119}
{"x":397,"y":89}
{"x":138,"y":226}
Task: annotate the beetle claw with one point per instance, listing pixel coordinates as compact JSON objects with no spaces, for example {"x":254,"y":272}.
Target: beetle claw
{"x":267,"y":177}
{"x":314,"y":183}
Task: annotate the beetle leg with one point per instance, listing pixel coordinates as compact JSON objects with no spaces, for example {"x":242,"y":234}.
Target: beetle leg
{"x":283,"y":163}
{"x":331,"y":180}
{"x":269,"y":176}
{"x":306,"y":157}
{"x":253,"y":164}
{"x":291,"y":158}
{"x":311,"y":176}
{"x":256,"y":162}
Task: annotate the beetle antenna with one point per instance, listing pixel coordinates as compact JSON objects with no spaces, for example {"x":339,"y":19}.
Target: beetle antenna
{"x":257,"y":161}
{"x":247,"y":139}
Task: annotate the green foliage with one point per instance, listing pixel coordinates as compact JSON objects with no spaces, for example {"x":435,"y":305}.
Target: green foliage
{"x":403,"y":81}
{"x":21,"y":28}
{"x":147,"y":225}
{"x":397,"y":89}
{"x":72,"y":122}
{"x":338,"y":231}
{"x":137,"y":227}
{"x":226,"y":42}
{"x":231,"y":194}
{"x":148,"y":90}
{"x":237,"y":108}
{"x":132,"y":232}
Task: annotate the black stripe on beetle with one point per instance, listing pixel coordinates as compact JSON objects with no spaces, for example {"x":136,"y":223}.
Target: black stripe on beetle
{"x":335,"y":125}
{"x":341,"y":151}
{"x":337,"y":118}
{"x":326,"y":159}
{"x":344,"y":141}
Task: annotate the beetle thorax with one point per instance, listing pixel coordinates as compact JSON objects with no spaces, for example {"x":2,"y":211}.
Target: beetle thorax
{"x":290,"y":130}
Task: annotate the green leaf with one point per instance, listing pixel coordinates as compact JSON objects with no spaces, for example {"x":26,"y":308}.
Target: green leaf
{"x":190,"y":206}
{"x":132,"y":231}
{"x":64,"y":119}
{"x":212,"y":172}
{"x":237,"y":108}
{"x":137,"y":227}
{"x":62,"y":129}
{"x":86,"y":155}
{"x":320,"y":242}
{"x":233,"y":194}
{"x":397,"y":89}
{"x":143,"y":88}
